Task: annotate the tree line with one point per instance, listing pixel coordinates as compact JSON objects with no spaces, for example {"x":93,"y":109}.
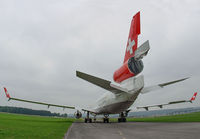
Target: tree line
{"x":27,"y":111}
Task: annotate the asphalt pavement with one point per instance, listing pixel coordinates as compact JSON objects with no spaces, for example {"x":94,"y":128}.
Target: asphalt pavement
{"x":134,"y":130}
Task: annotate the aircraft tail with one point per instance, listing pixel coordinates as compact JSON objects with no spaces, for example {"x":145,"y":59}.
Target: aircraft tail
{"x":133,"y":37}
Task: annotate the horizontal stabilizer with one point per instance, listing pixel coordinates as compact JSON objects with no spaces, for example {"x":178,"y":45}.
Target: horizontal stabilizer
{"x":142,"y":50}
{"x":105,"y":84}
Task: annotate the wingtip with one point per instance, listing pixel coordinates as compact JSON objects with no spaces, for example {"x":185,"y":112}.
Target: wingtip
{"x":5,"y":89}
{"x":193,"y":97}
{"x":6,"y":92}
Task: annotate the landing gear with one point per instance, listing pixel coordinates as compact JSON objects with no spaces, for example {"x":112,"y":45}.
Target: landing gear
{"x":121,"y":120}
{"x":106,"y":119}
{"x":88,"y":119}
{"x":95,"y":118}
{"x":122,"y":116}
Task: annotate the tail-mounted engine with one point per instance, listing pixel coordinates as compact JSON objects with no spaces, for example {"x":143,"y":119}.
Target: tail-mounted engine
{"x":133,"y":66}
{"x":129,"y":69}
{"x":78,"y":114}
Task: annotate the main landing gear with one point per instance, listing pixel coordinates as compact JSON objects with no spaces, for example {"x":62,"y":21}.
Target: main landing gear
{"x":106,"y":118}
{"x":122,"y":116}
{"x":88,"y":119}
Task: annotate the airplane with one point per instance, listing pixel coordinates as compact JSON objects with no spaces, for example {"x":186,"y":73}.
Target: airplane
{"x":129,"y":83}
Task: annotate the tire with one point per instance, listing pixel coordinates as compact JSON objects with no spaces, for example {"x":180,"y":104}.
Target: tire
{"x":123,"y":119}
{"x":119,"y":120}
{"x":107,"y":120}
{"x":85,"y":120}
{"x":90,"y":120}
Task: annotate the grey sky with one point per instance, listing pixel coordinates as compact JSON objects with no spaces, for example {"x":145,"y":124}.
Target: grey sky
{"x":43,"y":43}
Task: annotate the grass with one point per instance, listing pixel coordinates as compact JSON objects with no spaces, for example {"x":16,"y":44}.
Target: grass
{"x":24,"y":126}
{"x":14,"y":126}
{"x":191,"y":117}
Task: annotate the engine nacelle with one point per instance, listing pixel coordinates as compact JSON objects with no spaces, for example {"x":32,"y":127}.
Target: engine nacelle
{"x":78,"y":114}
{"x":130,"y":68}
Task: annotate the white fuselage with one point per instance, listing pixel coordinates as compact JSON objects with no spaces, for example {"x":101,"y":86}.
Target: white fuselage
{"x":111,"y":103}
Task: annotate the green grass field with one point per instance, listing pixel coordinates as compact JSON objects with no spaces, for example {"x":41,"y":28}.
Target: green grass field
{"x":191,"y":117}
{"x":23,"y":126}
{"x":14,"y":126}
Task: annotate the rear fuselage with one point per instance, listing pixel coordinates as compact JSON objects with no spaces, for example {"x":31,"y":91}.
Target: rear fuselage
{"x":116,"y":103}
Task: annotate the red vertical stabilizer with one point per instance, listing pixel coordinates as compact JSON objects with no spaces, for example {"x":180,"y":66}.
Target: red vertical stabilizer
{"x":124,"y":71}
{"x":133,"y":37}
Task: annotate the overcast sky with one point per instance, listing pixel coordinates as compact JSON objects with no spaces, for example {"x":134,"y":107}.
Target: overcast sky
{"x":43,"y":43}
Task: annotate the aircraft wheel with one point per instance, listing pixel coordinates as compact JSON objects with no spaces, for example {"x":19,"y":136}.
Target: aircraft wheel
{"x":90,"y":120}
{"x":119,"y":120}
{"x":124,"y":119}
{"x":85,"y":120}
{"x":107,"y":120}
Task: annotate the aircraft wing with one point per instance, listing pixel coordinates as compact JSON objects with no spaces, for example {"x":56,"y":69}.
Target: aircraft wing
{"x":173,"y":102}
{"x":36,"y":102}
{"x":105,"y":84}
{"x":159,"y":86}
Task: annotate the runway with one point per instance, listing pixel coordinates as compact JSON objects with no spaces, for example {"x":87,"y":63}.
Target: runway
{"x":134,"y":130}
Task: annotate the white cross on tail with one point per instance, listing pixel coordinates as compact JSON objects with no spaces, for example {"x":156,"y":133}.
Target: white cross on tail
{"x":130,"y":46}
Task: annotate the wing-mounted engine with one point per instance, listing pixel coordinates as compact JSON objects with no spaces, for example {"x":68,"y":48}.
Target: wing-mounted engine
{"x":133,"y":66}
{"x":78,"y":114}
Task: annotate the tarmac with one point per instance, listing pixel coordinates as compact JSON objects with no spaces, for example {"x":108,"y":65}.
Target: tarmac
{"x":134,"y":130}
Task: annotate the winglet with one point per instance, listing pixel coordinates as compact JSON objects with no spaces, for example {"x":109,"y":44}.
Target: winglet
{"x":193,"y":97}
{"x":7,"y":94}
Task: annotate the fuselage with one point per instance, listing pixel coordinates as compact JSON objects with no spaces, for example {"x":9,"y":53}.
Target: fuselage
{"x":111,"y":103}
